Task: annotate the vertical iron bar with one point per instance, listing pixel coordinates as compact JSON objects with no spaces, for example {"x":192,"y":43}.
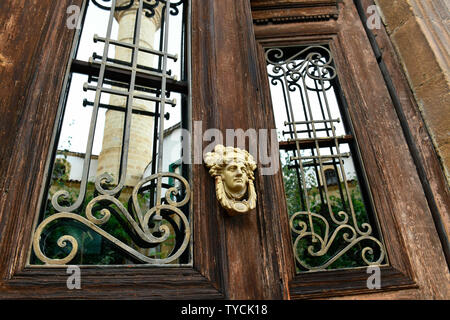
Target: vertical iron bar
{"x":163,"y":104}
{"x":297,"y":143}
{"x":87,"y":159}
{"x":315,"y":137}
{"x":291,"y":134}
{"x":156,"y":142}
{"x":327,"y":132}
{"x":129,"y":104}
{"x":319,"y":184}
{"x":344,"y":177}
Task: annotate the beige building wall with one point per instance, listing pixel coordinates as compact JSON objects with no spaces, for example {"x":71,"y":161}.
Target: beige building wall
{"x":419,"y":30}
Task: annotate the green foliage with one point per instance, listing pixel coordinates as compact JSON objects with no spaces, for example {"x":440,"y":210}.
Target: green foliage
{"x":94,"y":249}
{"x":293,"y":190}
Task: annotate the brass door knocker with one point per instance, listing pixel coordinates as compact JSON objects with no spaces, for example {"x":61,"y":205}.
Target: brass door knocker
{"x":232,"y":169}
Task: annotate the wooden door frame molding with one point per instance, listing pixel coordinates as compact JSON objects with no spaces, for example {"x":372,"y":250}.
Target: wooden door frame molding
{"x":283,"y":11}
{"x":342,"y":37}
{"x":246,"y":252}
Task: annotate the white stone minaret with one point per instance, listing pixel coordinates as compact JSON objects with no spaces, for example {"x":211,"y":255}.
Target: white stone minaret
{"x":141,"y":137}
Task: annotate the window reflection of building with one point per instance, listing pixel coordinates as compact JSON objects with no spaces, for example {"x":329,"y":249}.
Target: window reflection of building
{"x":331,"y":177}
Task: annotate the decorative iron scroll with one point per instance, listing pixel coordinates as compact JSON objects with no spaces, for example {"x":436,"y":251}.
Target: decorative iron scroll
{"x":321,"y":234}
{"x":135,"y":222}
{"x":164,"y":215}
{"x":149,"y":6}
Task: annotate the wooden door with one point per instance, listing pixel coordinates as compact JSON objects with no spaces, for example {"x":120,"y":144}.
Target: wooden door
{"x":240,"y":257}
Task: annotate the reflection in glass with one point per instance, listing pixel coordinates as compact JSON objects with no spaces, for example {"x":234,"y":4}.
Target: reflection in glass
{"x":333,"y":225}
{"x":118,"y":192}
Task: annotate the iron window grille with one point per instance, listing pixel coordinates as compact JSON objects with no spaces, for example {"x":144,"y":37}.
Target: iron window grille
{"x":157,"y":209}
{"x":332,"y":220}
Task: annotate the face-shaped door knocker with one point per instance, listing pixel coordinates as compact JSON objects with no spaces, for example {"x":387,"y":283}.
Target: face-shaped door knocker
{"x":233,"y":169}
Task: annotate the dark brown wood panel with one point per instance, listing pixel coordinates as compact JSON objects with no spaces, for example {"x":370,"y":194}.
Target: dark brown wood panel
{"x":248,"y":253}
{"x":111,"y":283}
{"x":21,"y":39}
{"x":38,"y":45}
{"x":416,"y":124}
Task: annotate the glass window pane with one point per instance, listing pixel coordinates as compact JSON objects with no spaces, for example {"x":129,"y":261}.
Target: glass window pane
{"x":332,"y":222}
{"x":117,"y":191}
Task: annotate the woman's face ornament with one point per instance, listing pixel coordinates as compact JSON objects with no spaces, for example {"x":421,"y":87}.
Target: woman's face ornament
{"x":233,"y":169}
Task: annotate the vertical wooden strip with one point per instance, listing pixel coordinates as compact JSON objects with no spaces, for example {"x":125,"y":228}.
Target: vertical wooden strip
{"x":35,"y":44}
{"x":226,"y":95}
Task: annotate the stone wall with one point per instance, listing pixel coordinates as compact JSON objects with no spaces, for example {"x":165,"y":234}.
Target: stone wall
{"x":419,"y":30}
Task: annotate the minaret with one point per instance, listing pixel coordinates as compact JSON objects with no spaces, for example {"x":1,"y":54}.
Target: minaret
{"x":141,"y":136}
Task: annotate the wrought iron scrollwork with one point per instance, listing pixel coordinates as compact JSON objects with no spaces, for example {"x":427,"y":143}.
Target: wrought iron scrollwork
{"x":148,"y":6}
{"x":165,"y":195}
{"x":135,"y":221}
{"x":320,"y":237}
{"x":102,"y":4}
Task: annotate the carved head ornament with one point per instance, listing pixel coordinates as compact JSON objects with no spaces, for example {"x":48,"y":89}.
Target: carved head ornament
{"x":233,"y":169}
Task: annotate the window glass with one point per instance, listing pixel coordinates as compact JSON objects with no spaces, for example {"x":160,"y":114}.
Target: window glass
{"x":332,"y":223}
{"x":112,"y":196}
